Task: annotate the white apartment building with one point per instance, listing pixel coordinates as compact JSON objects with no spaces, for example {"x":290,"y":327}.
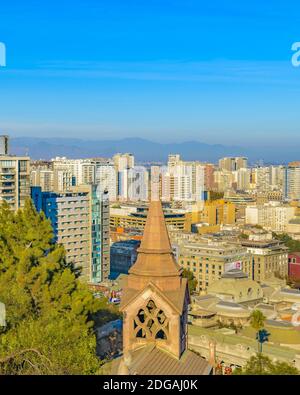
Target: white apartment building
{"x":106,"y":179}
{"x":14,"y":180}
{"x":272,"y":216}
{"x":292,"y":181}
{"x":186,"y":180}
{"x":137,"y":183}
{"x":43,"y":178}
{"x":233,"y":163}
{"x":223,"y":180}
{"x":243,"y":179}
{"x":82,"y":170}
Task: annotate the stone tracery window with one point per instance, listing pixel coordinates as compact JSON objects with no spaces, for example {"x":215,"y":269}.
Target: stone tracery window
{"x":151,"y":322}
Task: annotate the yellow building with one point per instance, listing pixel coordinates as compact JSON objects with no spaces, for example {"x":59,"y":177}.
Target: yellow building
{"x":212,"y":214}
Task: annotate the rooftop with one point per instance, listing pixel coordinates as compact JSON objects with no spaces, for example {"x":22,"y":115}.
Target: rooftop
{"x":234,"y":273}
{"x":150,"y":360}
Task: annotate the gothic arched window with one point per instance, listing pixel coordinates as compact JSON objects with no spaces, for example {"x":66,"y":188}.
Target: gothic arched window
{"x":151,"y":322}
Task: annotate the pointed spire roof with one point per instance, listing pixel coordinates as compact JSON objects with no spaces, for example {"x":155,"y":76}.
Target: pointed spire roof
{"x":155,"y":256}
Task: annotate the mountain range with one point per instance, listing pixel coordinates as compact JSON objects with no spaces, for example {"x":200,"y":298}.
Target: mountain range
{"x":143,"y":150}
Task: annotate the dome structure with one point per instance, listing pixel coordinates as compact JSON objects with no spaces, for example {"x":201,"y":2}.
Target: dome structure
{"x":235,"y":286}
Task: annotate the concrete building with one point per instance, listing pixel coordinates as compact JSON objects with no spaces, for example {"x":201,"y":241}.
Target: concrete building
{"x":233,"y":163}
{"x":122,"y":163}
{"x":134,"y":217}
{"x":80,"y":221}
{"x":202,"y":217}
{"x":4,"y":145}
{"x":243,"y":179}
{"x":106,"y":179}
{"x":294,"y":266}
{"x":269,"y":258}
{"x":43,"y":177}
{"x":209,"y":260}
{"x":223,"y":180}
{"x":137,"y":183}
{"x":273,"y":216}
{"x":184,"y":181}
{"x":236,"y":286}
{"x":292,"y":181}
{"x":63,"y":180}
{"x":123,"y":255}
{"x":14,"y":180}
{"x":82,"y":170}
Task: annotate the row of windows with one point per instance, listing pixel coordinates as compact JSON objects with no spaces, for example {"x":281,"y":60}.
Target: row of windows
{"x":201,"y":264}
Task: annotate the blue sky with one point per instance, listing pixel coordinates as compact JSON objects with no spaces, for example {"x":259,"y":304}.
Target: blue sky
{"x":217,"y":71}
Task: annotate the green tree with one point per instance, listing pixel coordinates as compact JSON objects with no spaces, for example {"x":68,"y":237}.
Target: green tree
{"x":244,"y":236}
{"x":48,"y":310}
{"x":257,"y":320}
{"x":289,"y":242}
{"x":262,"y":365}
{"x":213,"y":195}
{"x":192,"y":282}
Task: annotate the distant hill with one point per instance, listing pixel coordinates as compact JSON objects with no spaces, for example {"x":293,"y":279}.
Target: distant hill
{"x":143,"y":150}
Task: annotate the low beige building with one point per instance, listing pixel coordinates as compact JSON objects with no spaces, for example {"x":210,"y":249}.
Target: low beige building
{"x":269,"y":258}
{"x":235,"y":286}
{"x":208,"y":260}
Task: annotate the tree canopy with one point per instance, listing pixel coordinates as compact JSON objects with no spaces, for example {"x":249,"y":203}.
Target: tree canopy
{"x":262,"y":365}
{"x":192,"y":282}
{"x":48,"y":310}
{"x":293,"y":245}
{"x":257,"y":320}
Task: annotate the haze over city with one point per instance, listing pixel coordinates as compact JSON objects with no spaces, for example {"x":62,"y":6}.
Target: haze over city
{"x":169,"y":72}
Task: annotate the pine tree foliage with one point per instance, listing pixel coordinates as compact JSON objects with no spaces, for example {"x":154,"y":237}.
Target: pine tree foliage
{"x":48,"y":310}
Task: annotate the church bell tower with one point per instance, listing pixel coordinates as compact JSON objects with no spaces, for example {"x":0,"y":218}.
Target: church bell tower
{"x":155,"y":296}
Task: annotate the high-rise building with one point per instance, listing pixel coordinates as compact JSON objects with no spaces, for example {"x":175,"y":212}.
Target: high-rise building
{"x":233,"y":163}
{"x":186,"y":180}
{"x":4,"y":145}
{"x":123,"y":255}
{"x":42,"y":177}
{"x":106,"y":179}
{"x":272,"y":216}
{"x":63,"y":180}
{"x":80,"y":221}
{"x":138,"y":183}
{"x":209,"y":170}
{"x":14,"y":180}
{"x":123,"y":162}
{"x":155,"y":183}
{"x":243,"y":179}
{"x":223,"y":180}
{"x":292,"y":181}
{"x":82,"y":170}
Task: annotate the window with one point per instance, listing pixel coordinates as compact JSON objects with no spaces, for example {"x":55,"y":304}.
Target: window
{"x":151,"y":323}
